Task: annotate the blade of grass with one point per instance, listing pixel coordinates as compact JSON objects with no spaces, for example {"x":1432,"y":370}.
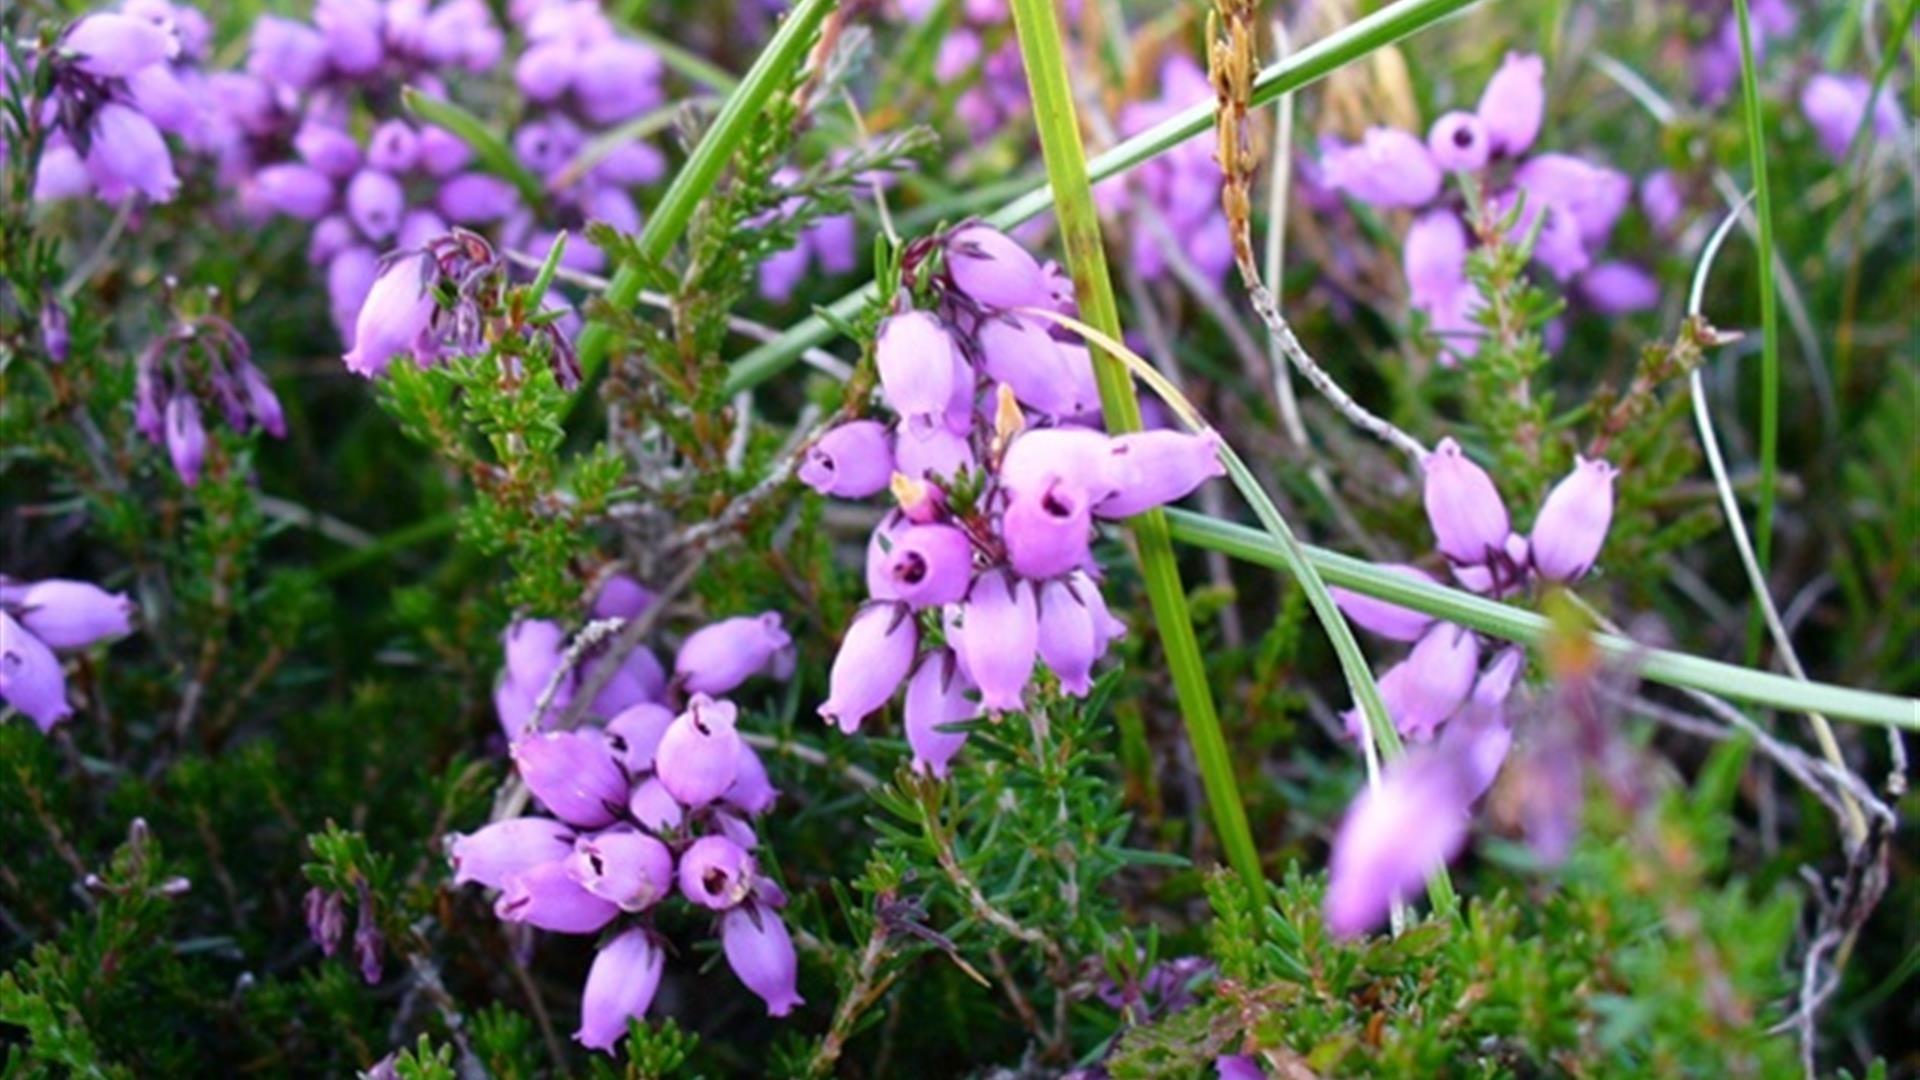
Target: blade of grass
{"x":1309,"y":65}
{"x":1769,"y":317}
{"x":1527,"y":628}
{"x":1037,"y":26}
{"x":696,"y":178}
{"x":493,"y":153}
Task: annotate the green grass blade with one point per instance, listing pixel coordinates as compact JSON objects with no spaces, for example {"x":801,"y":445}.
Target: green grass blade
{"x":1038,"y":27}
{"x":1309,"y":65}
{"x":696,"y":178}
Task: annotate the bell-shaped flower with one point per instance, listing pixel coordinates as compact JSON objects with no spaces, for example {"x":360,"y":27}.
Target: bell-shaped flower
{"x":851,"y":461}
{"x":1159,"y":467}
{"x":574,"y":774}
{"x":717,"y":658}
{"x":638,"y":679}
{"x":1022,"y":355}
{"x":1513,"y":103}
{"x":1835,"y":106}
{"x":128,"y":154}
{"x":1389,"y":620}
{"x":620,"y":986}
{"x":1081,"y":456}
{"x":760,"y":951}
{"x":286,"y":52}
{"x":1048,"y":531}
{"x":621,"y":598}
{"x":936,"y":698}
{"x":1070,"y":640}
{"x":1479,"y":737}
{"x":351,"y":29}
{"x":30,"y":676}
{"x":872,"y":662}
{"x":393,"y":148}
{"x":635,"y":734}
{"x":752,"y":789}
{"x":931,"y":453}
{"x":1573,"y":521}
{"x":880,"y":584}
{"x":654,"y":807}
{"x":1594,"y":195}
{"x":111,"y":45}
{"x":1389,"y":169}
{"x":296,"y":190}
{"x":186,"y":438}
{"x":697,"y":756}
{"x":326,"y":149}
{"x":1619,"y":288}
{"x":67,"y":614}
{"x":1000,"y":638}
{"x":1470,"y":523}
{"x":376,"y":203}
{"x":992,"y":269}
{"x":547,"y":897}
{"x":915,"y":354}
{"x":397,"y":315}
{"x":1392,"y":837}
{"x":1459,"y":142}
{"x":930,"y":565}
{"x":503,"y":849}
{"x":617,"y":79}
{"x":625,"y":867}
{"x":477,"y":199}
{"x":1435,"y":679}
{"x":716,"y":873}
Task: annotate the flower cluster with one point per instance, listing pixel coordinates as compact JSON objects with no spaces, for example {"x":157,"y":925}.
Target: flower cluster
{"x":1581,"y":201}
{"x":654,"y":799}
{"x":166,"y":376}
{"x":39,"y":617}
{"x":1181,"y":186}
{"x":122,"y":81}
{"x":1836,"y":106}
{"x":979,"y":39}
{"x":830,"y":243}
{"x":985,"y":567}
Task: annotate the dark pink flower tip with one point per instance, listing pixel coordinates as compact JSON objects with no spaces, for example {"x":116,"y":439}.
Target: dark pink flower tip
{"x":499,"y":851}
{"x":698,"y":756}
{"x":1381,"y":617}
{"x":1049,"y":530}
{"x":915,"y":353}
{"x":760,"y":951}
{"x":30,"y":676}
{"x":1573,"y":521}
{"x":574,"y":774}
{"x":1459,"y":142}
{"x":113,"y":46}
{"x":1000,"y":638}
{"x":716,"y":873}
{"x":635,"y":734}
{"x":623,"y":866}
{"x":717,"y":658}
{"x":1391,"y":839}
{"x":1513,"y":103}
{"x":930,"y":565}
{"x":67,"y":614}
{"x":546,"y":897}
{"x":992,"y":269}
{"x":1470,"y":523}
{"x":873,"y":661}
{"x":937,"y":697}
{"x":851,"y":461}
{"x":620,"y":986}
{"x":1159,"y":467}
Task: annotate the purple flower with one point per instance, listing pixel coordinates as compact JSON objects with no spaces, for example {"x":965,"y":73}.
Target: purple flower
{"x":1237,"y":1067}
{"x":1392,"y":838}
{"x":476,"y":199}
{"x":574,"y":774}
{"x":1159,"y":467}
{"x":67,"y":614}
{"x":621,"y":598}
{"x":1000,"y":638}
{"x":760,"y":952}
{"x":930,"y":565}
{"x":1619,"y":288}
{"x":1049,"y":531}
{"x":1595,"y":196}
{"x":62,"y":175}
{"x":505,"y":848}
{"x":620,"y":985}
{"x":300,"y":191}
{"x":393,"y":148}
{"x":717,"y":658}
{"x":654,"y":807}
{"x":351,"y":29}
{"x":1459,"y":142}
{"x":1386,"y":619}
{"x":1021,"y":354}
{"x":624,"y":867}
{"x":285,"y":52}
{"x":1835,"y":105}
{"x":1071,"y":637}
{"x":1470,"y":523}
{"x":752,"y":790}
{"x":30,"y":676}
{"x":375,"y":202}
{"x":853,"y":460}
{"x":872,"y":662}
{"x":937,"y":697}
{"x":697,"y":756}
{"x":635,"y":734}
{"x":1660,"y":200}
{"x":616,"y":79}
{"x":1389,"y":169}
{"x":546,"y":897}
{"x":716,"y":873}
{"x":397,"y":314}
{"x":932,"y":453}
{"x":992,"y":269}
{"x":113,"y":46}
{"x":916,"y":357}
{"x":1513,"y":103}
{"x":128,"y":155}
{"x":1572,"y":523}
{"x":186,"y":438}
{"x":1434,"y":679}
{"x":1080,"y":455}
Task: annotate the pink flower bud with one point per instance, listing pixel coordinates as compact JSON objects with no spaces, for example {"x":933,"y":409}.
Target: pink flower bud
{"x":719,"y":657}
{"x":915,"y":354}
{"x":752,"y":790}
{"x":262,"y":402}
{"x":654,"y":807}
{"x":1381,"y":617}
{"x":505,"y":848}
{"x":1459,"y":142}
{"x":852,"y":461}
{"x":1048,"y":531}
{"x":1619,"y":288}
{"x":286,"y":52}
{"x":546,"y":897}
{"x":617,"y":79}
{"x":1069,"y":640}
{"x":186,"y":438}
{"x":698,"y":754}
{"x":620,"y":986}
{"x":1000,"y":637}
{"x":71,"y":614}
{"x":1573,"y":521}
{"x":442,"y":153}
{"x":352,"y":32}
{"x":299,"y":191}
{"x":1434,"y":679}
{"x":160,"y":95}
{"x":872,"y":662}
{"x":113,"y":46}
{"x":1470,"y":523}
{"x":621,"y":598}
{"x":760,"y":952}
{"x":930,"y":565}
{"x":1513,"y":103}
{"x":30,"y":676}
{"x":375,"y":202}
{"x":396,"y":316}
{"x":327,"y":149}
{"x":716,"y":873}
{"x":545,"y":71}
{"x":1391,"y":839}
{"x":1389,"y":169}
{"x":1661,"y":201}
{"x":62,"y":175}
{"x":1159,"y":467}
{"x":936,"y":697}
{"x":393,"y":148}
{"x":623,"y":867}
{"x":992,"y":269}
{"x":636,"y":732}
{"x":1435,"y":256}
{"x":638,"y":679}
{"x":574,"y":774}
{"x":477,"y":199}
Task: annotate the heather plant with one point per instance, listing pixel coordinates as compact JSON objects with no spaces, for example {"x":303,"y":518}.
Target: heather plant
{"x":559,"y":537}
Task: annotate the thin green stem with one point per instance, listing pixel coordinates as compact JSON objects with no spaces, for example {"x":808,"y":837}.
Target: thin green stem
{"x":1044,"y":53}
{"x":1769,"y":318}
{"x":1309,"y":65}
{"x":769,"y":74}
{"x":1527,"y":628}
